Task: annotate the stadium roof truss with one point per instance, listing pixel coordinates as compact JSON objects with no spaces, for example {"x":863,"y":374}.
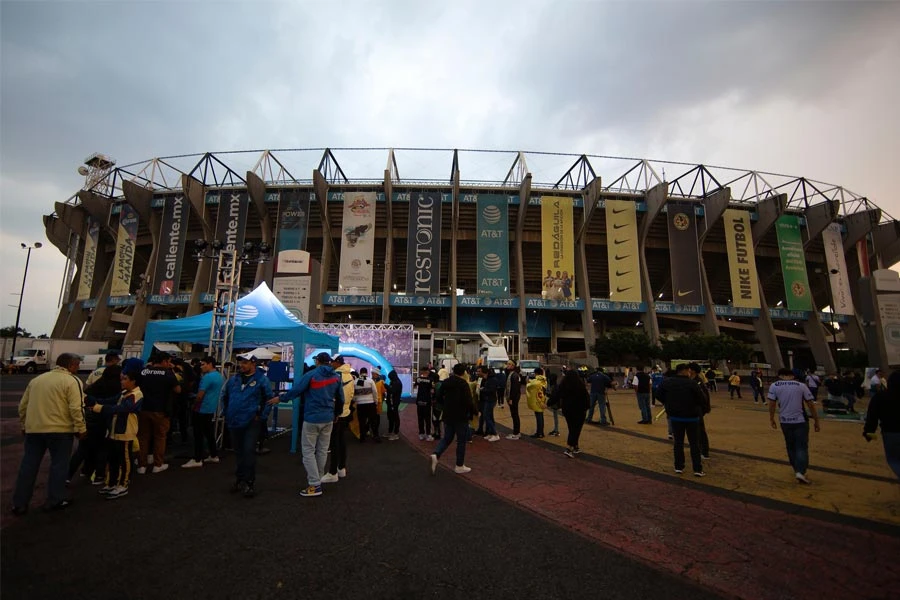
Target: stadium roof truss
{"x":550,"y":171}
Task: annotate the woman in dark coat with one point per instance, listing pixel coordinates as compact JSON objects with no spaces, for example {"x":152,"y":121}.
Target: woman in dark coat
{"x":575,"y":401}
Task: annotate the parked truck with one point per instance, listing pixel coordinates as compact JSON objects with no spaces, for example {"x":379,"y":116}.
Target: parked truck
{"x":43,"y":353}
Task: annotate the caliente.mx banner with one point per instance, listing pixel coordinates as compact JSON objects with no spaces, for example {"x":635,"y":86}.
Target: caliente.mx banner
{"x":173,"y":237}
{"x":231,"y":222}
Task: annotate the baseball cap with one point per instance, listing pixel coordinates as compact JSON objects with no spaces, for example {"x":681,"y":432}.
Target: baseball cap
{"x":694,"y":367}
{"x":338,"y":358}
{"x":323,"y":357}
{"x":247,"y":356}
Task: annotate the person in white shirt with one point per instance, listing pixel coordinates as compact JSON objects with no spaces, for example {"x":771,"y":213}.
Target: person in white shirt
{"x":812,"y":382}
{"x":790,"y":396}
{"x":365,"y":396}
{"x":876,"y":383}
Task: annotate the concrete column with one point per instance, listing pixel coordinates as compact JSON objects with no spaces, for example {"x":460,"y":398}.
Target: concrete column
{"x":818,"y":217}
{"x":524,"y":196}
{"x":140,"y":198}
{"x":75,"y":219}
{"x":454,"y":257}
{"x":195,"y":193}
{"x":768,"y":211}
{"x":886,"y":237}
{"x":59,"y":235}
{"x":714,"y":207}
{"x":389,"y":248}
{"x":655,"y":198}
{"x":256,"y":188}
{"x":320,"y":186}
{"x":582,"y":282}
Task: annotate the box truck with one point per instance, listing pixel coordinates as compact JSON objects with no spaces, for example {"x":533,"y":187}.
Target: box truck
{"x":43,"y":354}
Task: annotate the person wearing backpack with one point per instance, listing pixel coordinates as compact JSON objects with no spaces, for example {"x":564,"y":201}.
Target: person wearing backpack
{"x":365,"y":396}
{"x":536,"y":397}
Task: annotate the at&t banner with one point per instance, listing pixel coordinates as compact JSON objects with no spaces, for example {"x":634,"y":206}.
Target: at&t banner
{"x":126,"y":242}
{"x":231,"y":222}
{"x":842,"y":302}
{"x":423,"y":244}
{"x":793,"y":263}
{"x":741,"y":259}
{"x":88,"y":261}
{"x":357,"y":243}
{"x":173,"y":236}
{"x":493,"y":245}
{"x":622,"y":251}
{"x":684,"y":254}
{"x":557,"y":248}
{"x":293,"y":220}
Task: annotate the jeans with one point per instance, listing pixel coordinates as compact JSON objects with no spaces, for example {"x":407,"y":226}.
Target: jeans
{"x":796,"y":439}
{"x":851,"y":400}
{"x":393,"y":416}
{"x":338,"y":447}
{"x":60,"y":447}
{"x":486,"y":420}
{"x":704,"y":439}
{"x":365,"y":414}
{"x":203,"y":428}
{"x":460,"y":431}
{"x":514,"y":413}
{"x":692,"y":429}
{"x":423,"y":413}
{"x":152,"y":425}
{"x":92,"y":452}
{"x":243,"y":441}
{"x":643,"y":399}
{"x":314,"y":440}
{"x":892,"y":450}
{"x":598,"y":400}
{"x":575,"y":424}
{"x":555,"y":412}
{"x":539,"y":423}
{"x":757,"y":394}
{"x":734,"y":389}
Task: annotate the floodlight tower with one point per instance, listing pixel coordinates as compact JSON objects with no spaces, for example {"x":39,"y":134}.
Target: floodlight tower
{"x":95,"y":169}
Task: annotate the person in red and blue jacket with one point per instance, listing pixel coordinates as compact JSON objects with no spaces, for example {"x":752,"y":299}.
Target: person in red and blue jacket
{"x":248,"y":399}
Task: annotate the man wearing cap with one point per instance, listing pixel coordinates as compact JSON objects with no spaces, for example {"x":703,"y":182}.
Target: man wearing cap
{"x":323,"y":404}
{"x":248,"y":398}
{"x":159,"y":384}
{"x":111,"y":358}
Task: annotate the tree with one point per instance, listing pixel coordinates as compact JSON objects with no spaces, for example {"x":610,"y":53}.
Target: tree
{"x":8,"y":332}
{"x":713,"y":348}
{"x":623,"y":346}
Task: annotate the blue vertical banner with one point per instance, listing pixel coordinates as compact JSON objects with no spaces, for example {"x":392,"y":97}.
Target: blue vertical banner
{"x":293,"y":219}
{"x":423,"y":246}
{"x":492,"y":226}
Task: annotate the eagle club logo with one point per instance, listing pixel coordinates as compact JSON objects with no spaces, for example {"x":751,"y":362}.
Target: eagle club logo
{"x":492,"y":262}
{"x":798,"y":289}
{"x":491,"y":214}
{"x":681,"y":222}
{"x":359,"y":206}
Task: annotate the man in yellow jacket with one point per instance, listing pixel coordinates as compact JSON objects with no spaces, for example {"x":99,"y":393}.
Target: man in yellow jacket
{"x":52,"y":414}
{"x":536,"y":396}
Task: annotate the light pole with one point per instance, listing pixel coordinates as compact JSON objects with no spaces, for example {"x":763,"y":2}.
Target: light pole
{"x":36,"y":245}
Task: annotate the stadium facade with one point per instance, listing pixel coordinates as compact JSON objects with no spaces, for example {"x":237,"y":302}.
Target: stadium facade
{"x":553,"y":249}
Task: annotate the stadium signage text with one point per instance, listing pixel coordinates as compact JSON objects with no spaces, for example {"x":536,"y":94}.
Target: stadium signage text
{"x":424,"y":240}
{"x":743,"y":259}
{"x":174,"y":237}
{"x":436,"y":301}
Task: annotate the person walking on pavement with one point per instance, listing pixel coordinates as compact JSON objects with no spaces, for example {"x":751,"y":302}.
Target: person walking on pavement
{"x":876,"y":383}
{"x":487,"y":398}
{"x":683,"y":400}
{"x":513,"y":393}
{"x":711,"y":381}
{"x":599,"y":382}
{"x":756,"y":385}
{"x":51,"y":413}
{"x":455,"y":396}
{"x":248,"y":398}
{"x":656,"y":378}
{"x":697,"y":375}
{"x":641,"y":385}
{"x":790,"y":395}
{"x":204,"y":411}
{"x":323,"y":404}
{"x":812,"y":382}
{"x":536,"y":398}
{"x":885,"y":409}
{"x":575,"y":400}
{"x":424,"y":400}
{"x":394,"y":394}
{"x":734,"y":385}
{"x":159,"y":385}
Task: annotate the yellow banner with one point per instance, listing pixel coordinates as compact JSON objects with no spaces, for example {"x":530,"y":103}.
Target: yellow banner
{"x":88,"y":261}
{"x":741,"y":259}
{"x":125,"y":245}
{"x":622,"y":251}
{"x":557,"y":248}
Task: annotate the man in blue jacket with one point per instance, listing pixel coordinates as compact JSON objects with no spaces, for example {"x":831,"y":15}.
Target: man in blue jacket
{"x":323,"y":401}
{"x":248,"y":398}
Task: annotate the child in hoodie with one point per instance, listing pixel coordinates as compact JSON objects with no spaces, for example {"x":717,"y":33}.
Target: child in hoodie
{"x":536,"y":396}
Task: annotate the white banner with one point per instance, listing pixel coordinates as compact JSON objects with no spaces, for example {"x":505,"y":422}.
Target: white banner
{"x":357,"y":243}
{"x":889,"y":310}
{"x":294,"y":293}
{"x":837,"y":270}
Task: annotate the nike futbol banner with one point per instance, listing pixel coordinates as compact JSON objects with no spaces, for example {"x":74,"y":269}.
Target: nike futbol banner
{"x":125,"y":244}
{"x":173,"y":236}
{"x":357,"y":243}
{"x":493,"y":245}
{"x":88,"y":261}
{"x":231,"y":222}
{"x":622,"y":251}
{"x":557,"y":248}
{"x":684,"y":254}
{"x":741,"y":259}
{"x":423,"y":244}
{"x":842,"y":302}
{"x":293,"y":220}
{"x":793,"y":263}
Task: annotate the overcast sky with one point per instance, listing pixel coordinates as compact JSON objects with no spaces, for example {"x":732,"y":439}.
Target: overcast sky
{"x":805,"y":88}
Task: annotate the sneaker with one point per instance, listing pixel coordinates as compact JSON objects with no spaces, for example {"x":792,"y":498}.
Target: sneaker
{"x":537,"y":436}
{"x":313,"y":490}
{"x":393,"y":437}
{"x":432,"y":464}
{"x":670,"y":436}
{"x":462,"y":470}
{"x":342,"y":472}
{"x":554,"y":433}
{"x":679,"y":471}
{"x":699,"y":474}
{"x":428,"y":438}
{"x":330,"y":478}
{"x":106,"y":489}
{"x":149,"y":460}
{"x":98,"y":481}
{"x":577,"y":451}
{"x":512,"y":436}
{"x":211,"y":459}
{"x":191,"y":464}
{"x":141,"y":470}
{"x":117,"y":492}
{"x":62,"y":505}
{"x":421,"y":437}
{"x":569,"y":453}
{"x":18,"y":511}
{"x":493,"y":438}
{"x":704,"y":457}
{"x":604,"y":424}
{"x":249,"y":491}
{"x":802,"y":478}
{"x":160,"y":468}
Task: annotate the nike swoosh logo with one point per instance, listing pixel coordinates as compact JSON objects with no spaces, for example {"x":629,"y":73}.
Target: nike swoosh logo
{"x":617,"y":212}
{"x":620,"y":226}
{"x":620,"y":290}
{"x":617,"y":242}
{"x":683,"y":294}
{"x":622,"y":257}
{"x":622,"y":273}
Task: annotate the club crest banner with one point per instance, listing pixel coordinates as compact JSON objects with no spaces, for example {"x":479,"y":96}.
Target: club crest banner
{"x":793,"y":263}
{"x":293,"y":220}
{"x":622,"y":254}
{"x":126,"y":242}
{"x":357,"y":243}
{"x":231,"y":222}
{"x":741,"y":259}
{"x":423,"y":244}
{"x":684,"y":254}
{"x":88,"y":261}
{"x":842,"y":302}
{"x":557,"y":248}
{"x":493,"y":245}
{"x":173,"y":236}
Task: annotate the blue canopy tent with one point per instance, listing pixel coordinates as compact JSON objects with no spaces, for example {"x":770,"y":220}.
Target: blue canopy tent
{"x":260,"y":319}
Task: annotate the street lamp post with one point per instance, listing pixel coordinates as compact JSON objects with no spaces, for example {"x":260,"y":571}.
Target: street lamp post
{"x":36,"y":245}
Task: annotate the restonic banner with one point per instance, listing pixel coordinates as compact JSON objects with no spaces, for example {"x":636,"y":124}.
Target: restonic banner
{"x":125,"y":244}
{"x":622,"y":251}
{"x":357,"y":243}
{"x":841,"y":301}
{"x":684,"y":254}
{"x":557,"y":248}
{"x":88,"y":261}
{"x":493,"y":245}
{"x":741,"y":259}
{"x":173,"y":236}
{"x":293,"y":219}
{"x":423,"y":244}
{"x":793,"y":263}
{"x":231,"y":222}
